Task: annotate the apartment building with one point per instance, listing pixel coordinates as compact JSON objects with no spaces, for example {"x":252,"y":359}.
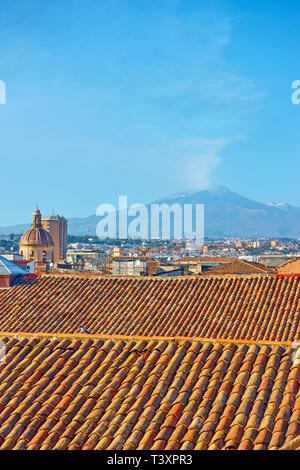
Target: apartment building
{"x":57,"y":226}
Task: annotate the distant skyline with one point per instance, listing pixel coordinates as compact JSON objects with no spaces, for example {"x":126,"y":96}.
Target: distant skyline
{"x":146,"y":98}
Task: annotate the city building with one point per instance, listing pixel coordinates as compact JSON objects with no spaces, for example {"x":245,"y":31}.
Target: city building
{"x":36,"y":243}
{"x":273,"y":261}
{"x":172,"y":270}
{"x":94,"y":260}
{"x":9,"y":272}
{"x":57,"y":226}
{"x":18,"y":259}
{"x":200,"y":264}
{"x":129,"y":265}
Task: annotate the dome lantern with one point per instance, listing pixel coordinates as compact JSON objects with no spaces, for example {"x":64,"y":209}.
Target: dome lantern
{"x":37,"y":218}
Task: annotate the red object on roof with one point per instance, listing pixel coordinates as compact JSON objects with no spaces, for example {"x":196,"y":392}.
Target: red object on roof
{"x":288,"y":275}
{"x":22,"y":262}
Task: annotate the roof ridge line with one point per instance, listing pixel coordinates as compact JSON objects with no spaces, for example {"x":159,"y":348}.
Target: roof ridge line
{"x":145,"y":338}
{"x":205,"y":275}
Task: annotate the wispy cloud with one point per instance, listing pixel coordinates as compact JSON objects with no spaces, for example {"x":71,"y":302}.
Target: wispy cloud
{"x":208,"y":95}
{"x":197,"y":158}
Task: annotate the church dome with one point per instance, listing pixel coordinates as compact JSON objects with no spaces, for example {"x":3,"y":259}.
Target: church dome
{"x":36,"y":235}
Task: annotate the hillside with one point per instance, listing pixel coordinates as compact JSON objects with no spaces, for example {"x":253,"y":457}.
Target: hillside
{"x":226,"y":214}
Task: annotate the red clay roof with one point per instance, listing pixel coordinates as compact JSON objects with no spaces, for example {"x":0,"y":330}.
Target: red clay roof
{"x":250,"y":307}
{"x":292,"y":260}
{"x":240,"y":267}
{"x":111,"y":394}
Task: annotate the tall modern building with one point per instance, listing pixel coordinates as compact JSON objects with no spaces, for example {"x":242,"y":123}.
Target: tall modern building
{"x":57,"y":225}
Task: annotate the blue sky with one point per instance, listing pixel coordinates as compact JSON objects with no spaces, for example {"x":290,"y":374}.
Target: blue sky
{"x":146,"y":98}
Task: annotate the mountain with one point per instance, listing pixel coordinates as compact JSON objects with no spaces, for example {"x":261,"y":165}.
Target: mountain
{"x":227,"y":214}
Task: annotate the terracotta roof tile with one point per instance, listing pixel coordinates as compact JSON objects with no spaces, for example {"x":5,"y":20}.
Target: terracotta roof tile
{"x":86,"y":392}
{"x":203,"y":405}
{"x":248,"y":307}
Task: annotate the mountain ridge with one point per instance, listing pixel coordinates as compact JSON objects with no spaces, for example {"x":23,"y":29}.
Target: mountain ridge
{"x":227,"y":214}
